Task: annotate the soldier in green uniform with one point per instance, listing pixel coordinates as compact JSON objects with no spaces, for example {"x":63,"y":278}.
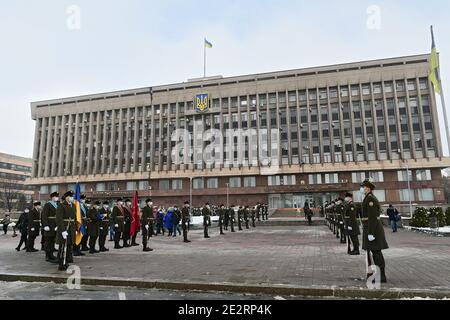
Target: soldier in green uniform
{"x":146,"y":222}
{"x":128,"y":217}
{"x":240,"y":214}
{"x":93,"y":222}
{"x":232,"y":214}
{"x":258,"y":211}
{"x":84,"y":207}
{"x":104,"y":215}
{"x":48,"y":221}
{"x":118,"y":214}
{"x":185,"y":219}
{"x":374,"y":240}
{"x":351,"y":225}
{"x":65,"y":237}
{"x":226,"y":219}
{"x":34,"y":224}
{"x":340,"y":210}
{"x":246,"y":217}
{"x":221,"y":212}
{"x":253,"y":215}
{"x":206,"y":213}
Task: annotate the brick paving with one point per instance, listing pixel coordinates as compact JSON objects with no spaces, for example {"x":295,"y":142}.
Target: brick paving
{"x":299,"y":256}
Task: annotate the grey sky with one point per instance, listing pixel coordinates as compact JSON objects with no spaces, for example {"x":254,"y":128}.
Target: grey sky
{"x":129,"y":44}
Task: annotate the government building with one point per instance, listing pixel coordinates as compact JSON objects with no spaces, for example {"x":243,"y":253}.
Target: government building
{"x":279,"y":138}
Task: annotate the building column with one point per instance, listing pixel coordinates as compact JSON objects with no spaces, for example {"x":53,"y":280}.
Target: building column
{"x":55,"y":144}
{"x":104,"y":143}
{"x":82,"y":153}
{"x":48,"y":147}
{"x":121,"y":138}
{"x":42,"y":146}
{"x":62,"y":144}
{"x":76,"y":146}
{"x":69,"y":146}
{"x":112,"y":144}
{"x":90,"y":144}
{"x":37,"y":129}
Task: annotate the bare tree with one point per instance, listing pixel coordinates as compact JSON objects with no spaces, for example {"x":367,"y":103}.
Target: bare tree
{"x":8,"y":193}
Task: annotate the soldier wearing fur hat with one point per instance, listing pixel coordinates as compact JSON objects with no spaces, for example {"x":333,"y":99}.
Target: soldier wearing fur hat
{"x":246,"y":217}
{"x":128,"y":217}
{"x":240,"y":215}
{"x":93,"y":222}
{"x":84,"y":207}
{"x":104,"y":215}
{"x":65,"y":236}
{"x":351,"y":225}
{"x":206,"y":213}
{"x":185,"y":220}
{"x":221,"y":212}
{"x":232,"y":214}
{"x":34,"y":224}
{"x":374,"y":240}
{"x":147,"y":222}
{"x":118,"y":215}
{"x":48,"y":221}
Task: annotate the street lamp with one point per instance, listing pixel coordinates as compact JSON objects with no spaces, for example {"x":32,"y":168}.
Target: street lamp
{"x":228,"y":195}
{"x":190,"y":199}
{"x":409,"y":191}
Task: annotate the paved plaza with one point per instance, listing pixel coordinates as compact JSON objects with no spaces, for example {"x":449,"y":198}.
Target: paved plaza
{"x":269,"y":256}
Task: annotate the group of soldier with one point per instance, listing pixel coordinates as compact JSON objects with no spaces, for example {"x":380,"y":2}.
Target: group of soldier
{"x":344,"y":218}
{"x":57,"y":221}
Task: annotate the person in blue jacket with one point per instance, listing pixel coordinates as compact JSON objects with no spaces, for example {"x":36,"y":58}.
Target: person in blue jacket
{"x":168,"y":224}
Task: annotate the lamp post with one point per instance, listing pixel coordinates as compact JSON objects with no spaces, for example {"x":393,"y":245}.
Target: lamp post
{"x":190,"y":199}
{"x":228,"y":195}
{"x":409,"y":191}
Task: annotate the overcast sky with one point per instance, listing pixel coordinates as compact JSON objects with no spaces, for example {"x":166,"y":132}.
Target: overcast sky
{"x":135,"y":43}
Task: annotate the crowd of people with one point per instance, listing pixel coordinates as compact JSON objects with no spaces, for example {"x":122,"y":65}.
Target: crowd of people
{"x":344,"y":218}
{"x":57,"y":222}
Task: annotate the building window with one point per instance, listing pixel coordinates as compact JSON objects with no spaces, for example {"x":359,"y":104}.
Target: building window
{"x":377,"y":176}
{"x":380,"y":194}
{"x":315,"y":179}
{"x":43,"y":190}
{"x":212,"y":183}
{"x":198,"y":183}
{"x":425,"y":194}
{"x":423,"y":175}
{"x":54,"y":188}
{"x":403,"y":175}
{"x":100,"y":187}
{"x":331,"y":178}
{"x":131,"y":185}
{"x":164,"y":184}
{"x":288,"y":180}
{"x":249,"y":182}
{"x":235,"y":182}
{"x":358,"y":177}
{"x":143,"y":185}
{"x":404,"y":195}
{"x":177,"y":184}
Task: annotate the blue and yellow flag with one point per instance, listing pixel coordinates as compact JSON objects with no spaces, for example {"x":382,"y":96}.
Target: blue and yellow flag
{"x":208,"y":44}
{"x":79,"y":223}
{"x":434,"y":73}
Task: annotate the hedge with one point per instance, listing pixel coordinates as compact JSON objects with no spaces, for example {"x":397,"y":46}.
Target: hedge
{"x":421,"y":217}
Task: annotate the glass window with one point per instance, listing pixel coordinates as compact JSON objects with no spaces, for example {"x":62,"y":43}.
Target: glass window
{"x":100,"y":187}
{"x":212,"y":183}
{"x":425,"y":194}
{"x":380,"y":194}
{"x":177,"y":184}
{"x":143,"y":185}
{"x":315,"y":179}
{"x":164,"y":184}
{"x":376,"y":176}
{"x":403,"y":175}
{"x":198,"y":183}
{"x":249,"y":182}
{"x":235,"y":182}
{"x":404,"y":195}
{"x":54,"y":188}
{"x":423,"y":175}
{"x":358,"y":177}
{"x":288,"y":180}
{"x":131,"y":185}
{"x":43,"y":190}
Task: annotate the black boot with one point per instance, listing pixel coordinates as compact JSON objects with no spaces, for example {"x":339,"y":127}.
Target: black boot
{"x":147,"y":249}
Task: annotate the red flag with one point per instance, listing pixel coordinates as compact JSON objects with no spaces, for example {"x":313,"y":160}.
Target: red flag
{"x":136,"y":222}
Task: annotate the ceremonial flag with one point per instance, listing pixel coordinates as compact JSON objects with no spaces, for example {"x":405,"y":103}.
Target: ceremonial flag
{"x":78,"y":221}
{"x":135,"y":223}
{"x":434,"y":74}
{"x":208,"y":44}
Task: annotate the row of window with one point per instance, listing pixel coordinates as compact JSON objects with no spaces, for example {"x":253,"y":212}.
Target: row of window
{"x":14,"y":167}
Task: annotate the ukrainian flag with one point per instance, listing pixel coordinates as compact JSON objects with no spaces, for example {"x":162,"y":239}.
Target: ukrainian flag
{"x":208,"y":44}
{"x":78,"y":224}
{"x":434,"y":74}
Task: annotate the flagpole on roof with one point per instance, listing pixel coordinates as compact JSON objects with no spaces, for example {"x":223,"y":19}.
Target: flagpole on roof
{"x":204,"y":58}
{"x":441,"y":93}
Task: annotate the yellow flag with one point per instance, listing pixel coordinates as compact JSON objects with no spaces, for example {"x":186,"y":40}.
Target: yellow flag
{"x":434,"y":74}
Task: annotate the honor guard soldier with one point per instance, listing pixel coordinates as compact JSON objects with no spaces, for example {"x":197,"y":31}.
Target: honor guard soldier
{"x":147,"y":222}
{"x":118,"y":215}
{"x":266,"y":211}
{"x":185,"y":219}
{"x":93,"y":226}
{"x":374,"y":239}
{"x":232,"y":214}
{"x":240,"y":214}
{"x":221,"y":212}
{"x":352,"y":227}
{"x":340,"y":216}
{"x":48,"y":220}
{"x":206,"y":213}
{"x":34,"y":225}
{"x":226,"y":220}
{"x":103,"y":225}
{"x":128,"y":217}
{"x":253,"y":213}
{"x":65,"y":236}
{"x":246,"y":217}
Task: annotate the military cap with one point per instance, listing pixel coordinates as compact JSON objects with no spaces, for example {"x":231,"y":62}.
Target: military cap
{"x":106,"y":202}
{"x":186,"y":202}
{"x":368,"y":184}
{"x":127,"y":200}
{"x":37,"y":203}
{"x":54,"y":194}
{"x":119,"y":199}
{"x":68,"y":194}
{"x":83,"y":196}
{"x":349,"y":195}
{"x":98,"y":203}
{"x":148,"y":200}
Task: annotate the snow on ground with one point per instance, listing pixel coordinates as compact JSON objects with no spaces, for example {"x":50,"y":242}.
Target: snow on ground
{"x":440,"y":230}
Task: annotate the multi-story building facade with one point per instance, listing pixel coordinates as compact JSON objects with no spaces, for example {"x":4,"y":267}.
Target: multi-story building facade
{"x":280,"y":138}
{"x":14,"y":192}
